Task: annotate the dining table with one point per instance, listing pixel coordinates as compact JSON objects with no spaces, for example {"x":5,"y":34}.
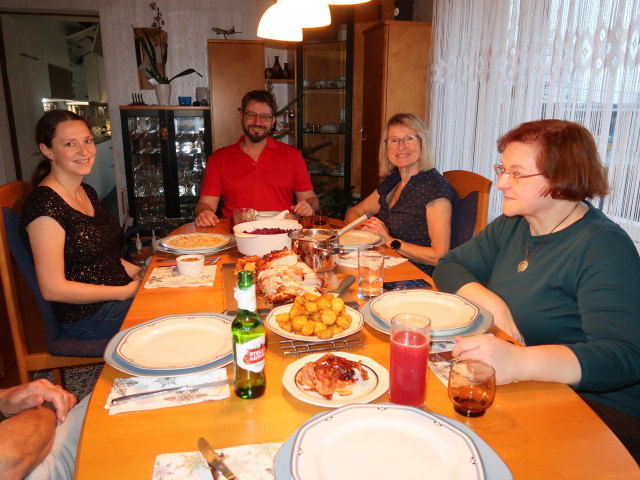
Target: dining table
{"x":539,"y":429}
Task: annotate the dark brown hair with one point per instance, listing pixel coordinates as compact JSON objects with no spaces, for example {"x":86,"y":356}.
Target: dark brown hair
{"x":261,"y":96}
{"x":45,"y":133}
{"x":567,"y":156}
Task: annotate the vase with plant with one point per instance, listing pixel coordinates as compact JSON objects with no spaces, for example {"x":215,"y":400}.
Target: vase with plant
{"x":156,"y":53}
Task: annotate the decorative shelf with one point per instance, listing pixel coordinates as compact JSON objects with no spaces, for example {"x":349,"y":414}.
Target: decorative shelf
{"x":337,"y":175}
{"x":323,"y":133}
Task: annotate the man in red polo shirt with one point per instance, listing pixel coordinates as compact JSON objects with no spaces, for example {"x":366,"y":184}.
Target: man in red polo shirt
{"x":257,"y":172}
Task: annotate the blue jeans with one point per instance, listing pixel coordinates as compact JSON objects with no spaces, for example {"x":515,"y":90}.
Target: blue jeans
{"x":104,"y":323}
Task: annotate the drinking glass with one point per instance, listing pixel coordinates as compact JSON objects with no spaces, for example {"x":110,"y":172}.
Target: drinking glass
{"x":320,"y":216}
{"x":472,"y":386}
{"x":241,"y":215}
{"x":410,"y":338}
{"x":370,"y":271}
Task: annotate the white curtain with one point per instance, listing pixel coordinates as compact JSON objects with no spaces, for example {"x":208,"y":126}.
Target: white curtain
{"x":498,"y":63}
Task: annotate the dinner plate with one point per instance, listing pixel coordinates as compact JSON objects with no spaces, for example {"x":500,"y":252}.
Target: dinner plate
{"x":494,"y":466}
{"x":357,"y":321}
{"x":364,"y":391}
{"x":195,"y":242}
{"x":176,"y":342}
{"x":113,"y":359}
{"x":266,"y":215}
{"x":383,"y":441}
{"x":449,"y":313}
{"x":480,"y":326}
{"x":355,"y":239}
{"x":169,"y":251}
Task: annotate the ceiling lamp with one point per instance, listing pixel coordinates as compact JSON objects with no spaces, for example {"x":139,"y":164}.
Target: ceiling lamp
{"x":310,"y":13}
{"x":346,"y":2}
{"x":279,"y":23}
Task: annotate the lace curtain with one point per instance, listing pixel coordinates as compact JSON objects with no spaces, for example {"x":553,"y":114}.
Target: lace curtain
{"x":498,"y":63}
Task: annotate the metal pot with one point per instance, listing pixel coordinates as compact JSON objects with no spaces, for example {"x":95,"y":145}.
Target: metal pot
{"x":317,"y":247}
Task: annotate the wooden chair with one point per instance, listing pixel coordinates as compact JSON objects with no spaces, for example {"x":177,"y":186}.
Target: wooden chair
{"x":37,"y":340}
{"x":466,"y":184}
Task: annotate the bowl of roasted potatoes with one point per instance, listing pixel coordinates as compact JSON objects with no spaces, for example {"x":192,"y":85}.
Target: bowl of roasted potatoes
{"x":315,"y":318}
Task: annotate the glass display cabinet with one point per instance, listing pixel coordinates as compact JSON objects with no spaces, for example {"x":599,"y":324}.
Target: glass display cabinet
{"x":166,"y":150}
{"x":324,"y":77}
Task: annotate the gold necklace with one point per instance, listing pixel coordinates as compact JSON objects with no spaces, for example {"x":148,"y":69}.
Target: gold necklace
{"x":524,"y":264}
{"x":86,"y":210}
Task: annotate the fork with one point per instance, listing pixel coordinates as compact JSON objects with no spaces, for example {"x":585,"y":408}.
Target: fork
{"x":442,"y":357}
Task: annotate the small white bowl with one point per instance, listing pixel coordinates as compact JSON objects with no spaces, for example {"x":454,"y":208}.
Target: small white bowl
{"x":190,"y":264}
{"x":252,"y":244}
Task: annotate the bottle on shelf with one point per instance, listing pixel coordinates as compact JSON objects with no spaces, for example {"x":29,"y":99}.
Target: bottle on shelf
{"x":249,"y":341}
{"x":276,"y":71}
{"x":285,"y":71}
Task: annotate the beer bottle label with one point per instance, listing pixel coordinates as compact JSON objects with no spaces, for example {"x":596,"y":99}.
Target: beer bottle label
{"x":250,"y":355}
{"x":246,"y":298}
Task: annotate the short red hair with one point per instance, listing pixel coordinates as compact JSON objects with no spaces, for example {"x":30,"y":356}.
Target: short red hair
{"x":567,"y":156}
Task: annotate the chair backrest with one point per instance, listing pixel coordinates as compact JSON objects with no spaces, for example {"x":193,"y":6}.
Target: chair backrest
{"x":464,"y":183}
{"x":24,"y":261}
{"x":62,"y":351}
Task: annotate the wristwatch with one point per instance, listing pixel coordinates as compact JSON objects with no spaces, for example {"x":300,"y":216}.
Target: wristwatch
{"x":395,"y":244}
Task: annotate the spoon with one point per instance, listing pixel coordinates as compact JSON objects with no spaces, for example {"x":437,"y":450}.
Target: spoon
{"x":355,"y":223}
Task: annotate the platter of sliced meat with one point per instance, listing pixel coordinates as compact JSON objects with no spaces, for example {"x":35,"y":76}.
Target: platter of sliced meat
{"x":335,"y":379}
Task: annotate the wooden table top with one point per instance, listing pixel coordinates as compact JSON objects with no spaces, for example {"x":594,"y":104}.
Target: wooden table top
{"x":540,"y":429}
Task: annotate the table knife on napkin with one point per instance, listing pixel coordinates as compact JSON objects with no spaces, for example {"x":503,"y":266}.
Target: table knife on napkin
{"x":214,"y":460}
{"x":183,"y":388}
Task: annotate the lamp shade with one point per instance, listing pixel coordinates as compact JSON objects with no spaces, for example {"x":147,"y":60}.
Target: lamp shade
{"x":279,"y":23}
{"x":346,"y":2}
{"x":311,"y":13}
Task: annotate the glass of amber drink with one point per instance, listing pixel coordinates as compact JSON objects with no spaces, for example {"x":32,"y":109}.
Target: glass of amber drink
{"x":472,"y":386}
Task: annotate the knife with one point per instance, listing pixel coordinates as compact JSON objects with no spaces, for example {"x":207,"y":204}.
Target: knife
{"x":214,"y":460}
{"x":184,"y":388}
{"x":344,"y":285}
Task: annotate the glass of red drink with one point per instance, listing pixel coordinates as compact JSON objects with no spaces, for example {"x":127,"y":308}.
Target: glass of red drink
{"x":410,"y":338}
{"x":472,"y":386}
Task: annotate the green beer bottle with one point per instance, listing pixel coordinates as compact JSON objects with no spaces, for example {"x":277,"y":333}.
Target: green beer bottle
{"x":248,"y":341}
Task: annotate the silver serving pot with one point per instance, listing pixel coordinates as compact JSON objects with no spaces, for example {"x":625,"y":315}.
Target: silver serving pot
{"x":317,"y":247}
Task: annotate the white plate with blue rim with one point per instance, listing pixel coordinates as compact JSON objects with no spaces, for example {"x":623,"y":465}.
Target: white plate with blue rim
{"x":175,"y":342}
{"x":481,"y":325}
{"x":494,"y":466}
{"x":219,"y":360}
{"x":449,"y":314}
{"x":383,"y":441}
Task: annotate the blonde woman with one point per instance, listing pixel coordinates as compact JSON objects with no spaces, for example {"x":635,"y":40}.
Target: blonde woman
{"x":413,"y":203}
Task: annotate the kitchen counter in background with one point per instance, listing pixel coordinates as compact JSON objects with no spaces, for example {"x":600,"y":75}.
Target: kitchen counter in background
{"x":97,"y":139}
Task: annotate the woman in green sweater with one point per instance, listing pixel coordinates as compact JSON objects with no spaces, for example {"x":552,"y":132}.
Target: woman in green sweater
{"x":558,"y":276}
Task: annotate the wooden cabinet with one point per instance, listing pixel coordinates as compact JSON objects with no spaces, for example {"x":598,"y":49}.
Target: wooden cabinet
{"x":324,"y":114}
{"x":235,"y":68}
{"x":397,"y":60}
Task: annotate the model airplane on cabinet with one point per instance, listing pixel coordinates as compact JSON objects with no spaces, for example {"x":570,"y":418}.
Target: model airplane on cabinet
{"x":225,"y":31}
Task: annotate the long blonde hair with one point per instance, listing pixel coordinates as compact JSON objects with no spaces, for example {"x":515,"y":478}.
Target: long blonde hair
{"x":408,"y":120}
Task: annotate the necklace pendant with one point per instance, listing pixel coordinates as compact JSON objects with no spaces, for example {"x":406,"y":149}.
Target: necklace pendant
{"x":522,"y":266}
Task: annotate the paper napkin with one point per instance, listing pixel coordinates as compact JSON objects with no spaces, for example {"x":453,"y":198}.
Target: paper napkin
{"x":128,"y":386}
{"x":441,"y":369}
{"x":248,"y":462}
{"x":351,"y":260}
{"x":169,"y":277}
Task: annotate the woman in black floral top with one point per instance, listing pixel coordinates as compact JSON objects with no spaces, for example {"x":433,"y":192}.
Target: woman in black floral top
{"x":75,"y":242}
{"x":413,"y":203}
